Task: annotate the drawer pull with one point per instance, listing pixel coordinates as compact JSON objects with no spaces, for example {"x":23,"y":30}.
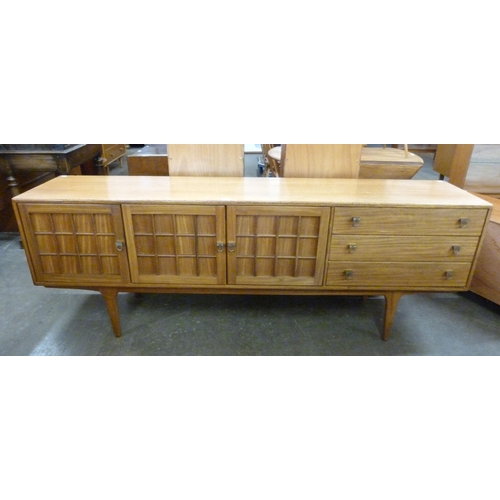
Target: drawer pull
{"x":220,"y":247}
{"x":349,"y":273}
{"x":356,"y":221}
{"x":231,"y":247}
{"x":448,"y":275}
{"x":456,"y":249}
{"x":463,"y":222}
{"x":120,"y":245}
{"x":351,"y":248}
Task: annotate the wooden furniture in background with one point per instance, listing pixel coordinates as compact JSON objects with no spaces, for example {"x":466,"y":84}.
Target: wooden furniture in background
{"x":474,"y":167}
{"x":25,"y":181}
{"x":389,"y":163}
{"x":251,"y":236}
{"x":418,"y":148}
{"x":375,"y":163}
{"x":150,"y":160}
{"x":206,"y":159}
{"x":111,"y":153}
{"x":24,"y":166}
{"x":320,"y":160}
{"x":271,"y":164}
{"x":486,"y":278}
{"x":452,"y":161}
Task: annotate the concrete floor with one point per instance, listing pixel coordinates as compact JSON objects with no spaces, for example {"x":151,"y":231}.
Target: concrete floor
{"x":42,"y":321}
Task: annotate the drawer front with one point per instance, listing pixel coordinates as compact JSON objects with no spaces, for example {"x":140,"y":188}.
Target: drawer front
{"x":113,"y":151}
{"x":401,"y":275}
{"x":408,"y":221}
{"x":403,"y":248}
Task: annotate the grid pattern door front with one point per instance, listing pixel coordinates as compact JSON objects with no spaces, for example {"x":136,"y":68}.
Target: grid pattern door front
{"x":176,"y":244}
{"x":76,"y":240}
{"x":277,"y":245}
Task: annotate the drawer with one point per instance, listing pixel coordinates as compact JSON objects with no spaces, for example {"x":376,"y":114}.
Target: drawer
{"x":112,"y":152}
{"x":408,"y":221}
{"x":401,"y":275}
{"x":402,"y":248}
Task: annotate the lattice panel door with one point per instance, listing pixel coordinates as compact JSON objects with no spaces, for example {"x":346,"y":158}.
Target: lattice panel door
{"x":76,"y":240}
{"x":277,"y":245}
{"x":181,"y":244}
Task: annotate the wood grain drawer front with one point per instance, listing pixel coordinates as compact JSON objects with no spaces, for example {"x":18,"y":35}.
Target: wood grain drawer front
{"x":408,"y":221}
{"x":112,"y":152}
{"x":176,"y":244}
{"x":76,"y":244}
{"x":403,"y":248}
{"x":399,"y":275}
{"x":277,"y":245}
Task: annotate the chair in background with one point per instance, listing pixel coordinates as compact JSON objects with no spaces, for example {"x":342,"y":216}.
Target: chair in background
{"x":271,"y":164}
{"x":321,"y":160}
{"x":215,"y":160}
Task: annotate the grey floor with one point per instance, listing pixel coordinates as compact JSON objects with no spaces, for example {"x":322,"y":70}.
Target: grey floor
{"x":42,"y":321}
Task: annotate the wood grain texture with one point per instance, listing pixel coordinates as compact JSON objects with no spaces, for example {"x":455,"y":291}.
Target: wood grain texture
{"x":175,"y":244}
{"x":151,"y":164}
{"x":474,"y":167}
{"x":409,"y":221}
{"x":253,"y":190}
{"x":251,"y":235}
{"x":402,"y":248}
{"x":486,"y":277}
{"x":452,"y":161}
{"x":340,"y":161}
{"x":206,"y":159}
{"x":397,"y":275}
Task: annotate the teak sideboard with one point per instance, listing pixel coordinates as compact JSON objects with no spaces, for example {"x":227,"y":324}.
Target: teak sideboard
{"x":251,"y":236}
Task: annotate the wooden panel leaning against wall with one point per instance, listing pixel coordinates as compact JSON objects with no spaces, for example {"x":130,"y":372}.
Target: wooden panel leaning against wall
{"x":473,"y":167}
{"x":188,"y":159}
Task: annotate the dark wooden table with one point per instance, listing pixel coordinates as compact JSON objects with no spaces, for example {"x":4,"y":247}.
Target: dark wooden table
{"x":56,"y":158}
{"x":24,"y":166}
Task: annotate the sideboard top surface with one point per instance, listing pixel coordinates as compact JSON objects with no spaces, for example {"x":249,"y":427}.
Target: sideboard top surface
{"x":249,"y":190}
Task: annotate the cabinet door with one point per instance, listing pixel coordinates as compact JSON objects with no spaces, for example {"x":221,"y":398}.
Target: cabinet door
{"x":176,"y":244}
{"x":75,"y":244}
{"x":276,"y":245}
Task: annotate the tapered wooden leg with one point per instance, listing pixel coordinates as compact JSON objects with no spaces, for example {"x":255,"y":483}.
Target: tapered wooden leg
{"x":110,"y":296}
{"x":391,"y":303}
